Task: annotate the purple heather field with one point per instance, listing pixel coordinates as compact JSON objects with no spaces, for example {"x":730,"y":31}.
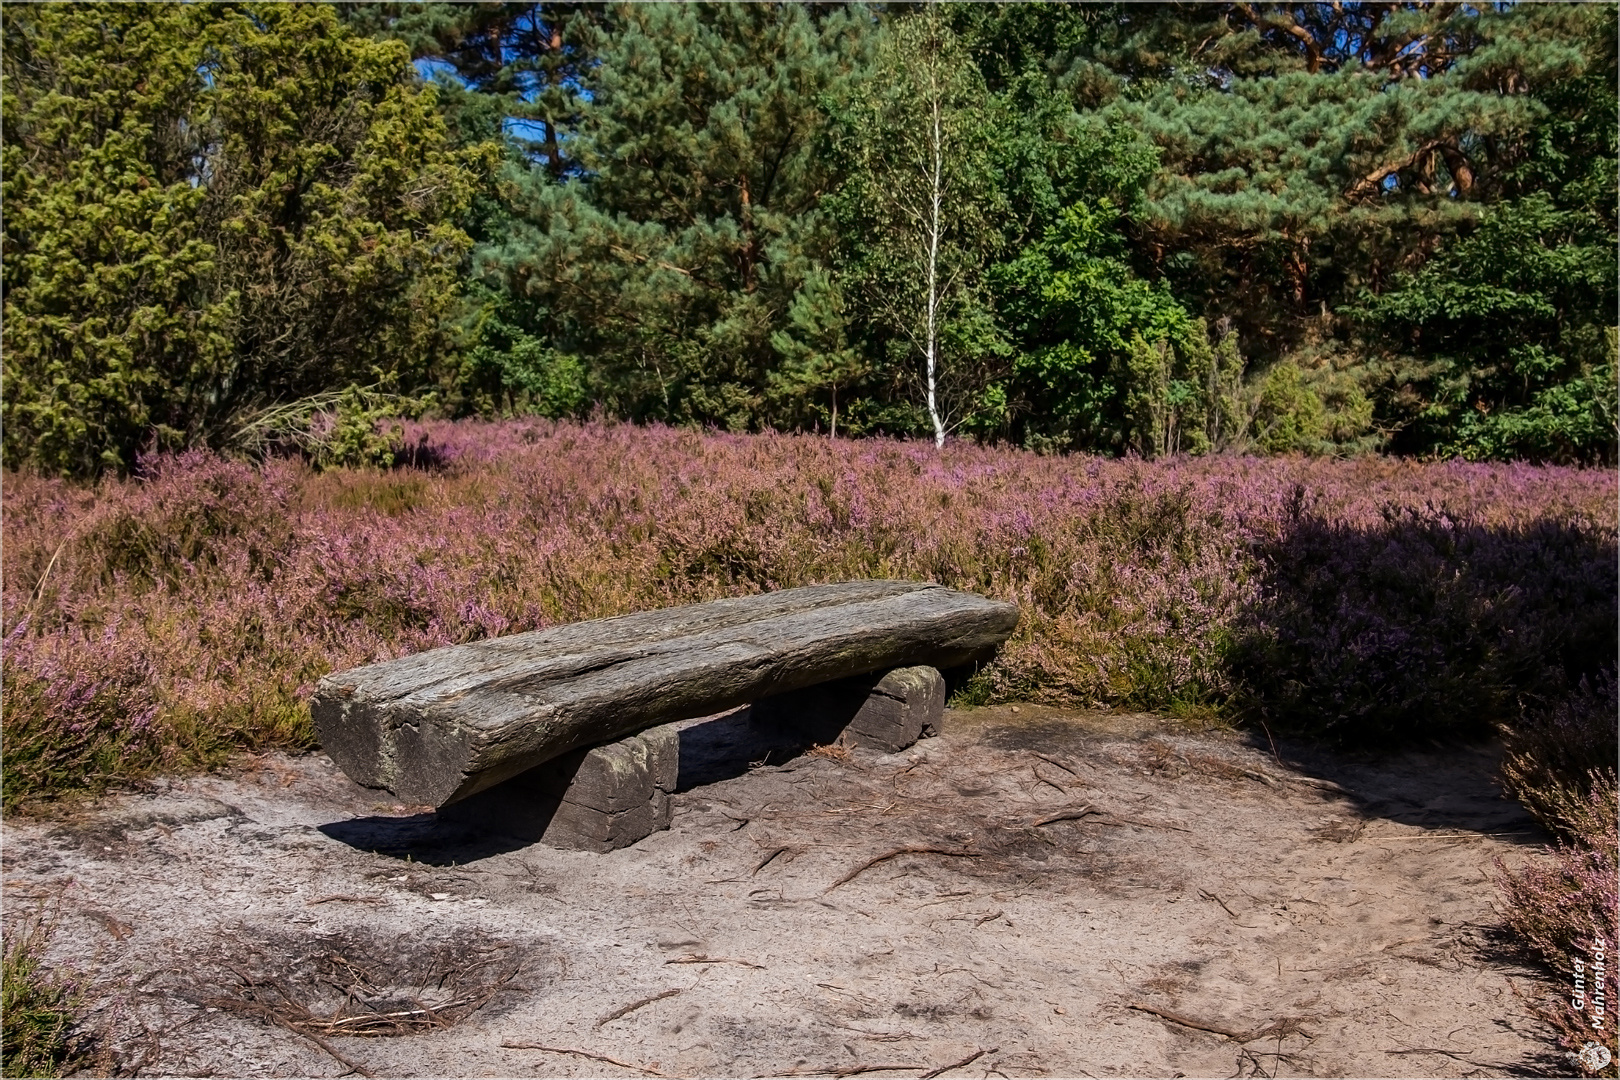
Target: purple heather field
{"x":169,"y":617}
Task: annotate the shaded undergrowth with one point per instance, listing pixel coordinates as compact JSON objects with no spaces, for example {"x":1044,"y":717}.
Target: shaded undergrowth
{"x":1430,"y":623}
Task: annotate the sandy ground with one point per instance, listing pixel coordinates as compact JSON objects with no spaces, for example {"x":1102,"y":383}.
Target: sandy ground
{"x":1321,"y":916}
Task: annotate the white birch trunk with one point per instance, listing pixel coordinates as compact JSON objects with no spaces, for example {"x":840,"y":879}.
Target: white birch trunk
{"x":931,"y":343}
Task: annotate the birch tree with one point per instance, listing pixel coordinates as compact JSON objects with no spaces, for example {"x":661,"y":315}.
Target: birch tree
{"x":917,"y":203}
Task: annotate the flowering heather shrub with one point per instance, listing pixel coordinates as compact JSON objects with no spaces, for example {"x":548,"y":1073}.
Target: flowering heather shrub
{"x":76,"y":709}
{"x":1560,"y":906}
{"x":1373,"y":595}
{"x":1554,"y":754}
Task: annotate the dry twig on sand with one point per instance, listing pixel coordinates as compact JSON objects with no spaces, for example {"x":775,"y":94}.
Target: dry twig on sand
{"x":970,"y":1059}
{"x":633,"y":1006}
{"x":1036,"y":771}
{"x":1098,"y":817}
{"x":1450,"y":1054}
{"x":697,"y":959}
{"x":116,"y":927}
{"x":1073,"y":813}
{"x":1059,"y":764}
{"x":1205,"y":894}
{"x":346,"y":899}
{"x":911,"y":850}
{"x":766,"y":861}
{"x":583,"y":1054}
{"x":1323,"y":785}
{"x":1143,"y":824}
{"x":1187,"y":1021}
{"x":373,"y":1002}
{"x":849,"y":1070}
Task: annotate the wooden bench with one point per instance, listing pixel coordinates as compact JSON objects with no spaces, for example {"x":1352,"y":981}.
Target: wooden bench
{"x":576,"y":716}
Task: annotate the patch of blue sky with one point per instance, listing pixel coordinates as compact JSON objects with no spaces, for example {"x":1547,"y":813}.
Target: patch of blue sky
{"x":428,"y":67}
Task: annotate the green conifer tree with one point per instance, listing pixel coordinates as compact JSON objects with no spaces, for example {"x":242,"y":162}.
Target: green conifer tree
{"x":499,"y":63}
{"x":674,"y":257}
{"x":211,"y":209}
{"x":1503,"y":343}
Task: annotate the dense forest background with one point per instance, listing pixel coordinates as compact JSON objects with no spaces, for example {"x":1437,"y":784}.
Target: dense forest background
{"x":1111,"y":228}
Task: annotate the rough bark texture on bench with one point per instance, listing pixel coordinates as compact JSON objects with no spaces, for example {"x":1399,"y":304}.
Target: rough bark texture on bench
{"x":441,"y":725}
{"x":885,"y":711}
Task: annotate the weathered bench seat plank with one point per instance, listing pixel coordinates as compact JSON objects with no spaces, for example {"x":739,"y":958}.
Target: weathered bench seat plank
{"x":440,"y":725}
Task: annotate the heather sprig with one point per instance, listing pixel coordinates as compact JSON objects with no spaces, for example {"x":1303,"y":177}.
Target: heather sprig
{"x":79,"y":711}
{"x":1554,"y":753}
{"x":37,"y":1005}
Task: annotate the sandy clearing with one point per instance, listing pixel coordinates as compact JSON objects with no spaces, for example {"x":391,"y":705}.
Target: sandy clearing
{"x":1327,"y":933}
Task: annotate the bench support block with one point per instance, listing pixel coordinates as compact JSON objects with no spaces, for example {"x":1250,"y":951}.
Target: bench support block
{"x":885,"y":711}
{"x":599,"y":799}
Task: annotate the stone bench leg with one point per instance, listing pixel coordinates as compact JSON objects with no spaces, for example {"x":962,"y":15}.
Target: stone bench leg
{"x":885,"y":711}
{"x":599,"y":799}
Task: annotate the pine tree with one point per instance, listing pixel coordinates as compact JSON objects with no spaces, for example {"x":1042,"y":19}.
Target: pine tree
{"x":500,"y":62}
{"x":818,"y":356}
{"x":675,"y":256}
{"x":1312,"y":151}
{"x":1503,"y":343}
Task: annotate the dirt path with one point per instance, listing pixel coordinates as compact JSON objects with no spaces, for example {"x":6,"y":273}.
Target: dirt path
{"x":1327,"y":928}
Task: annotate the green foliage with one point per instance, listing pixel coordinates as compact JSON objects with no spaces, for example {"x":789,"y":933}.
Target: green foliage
{"x":673,"y":258}
{"x":1188,"y":399}
{"x":1290,"y":415}
{"x":209,"y":209}
{"x":36,"y":1006}
{"x":1507,"y":341}
{"x":1430,"y":186}
{"x":817,"y":357}
{"x":1404,"y":215}
{"x":1273,"y":190}
{"x":1311,"y":152}
{"x":1214,"y":416}
{"x":508,"y":366}
{"x":1077,"y":306}
{"x":917,"y":210}
{"x":511,"y":61}
{"x":1106,"y":173}
{"x":355,"y":426}
{"x":357,"y":432}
